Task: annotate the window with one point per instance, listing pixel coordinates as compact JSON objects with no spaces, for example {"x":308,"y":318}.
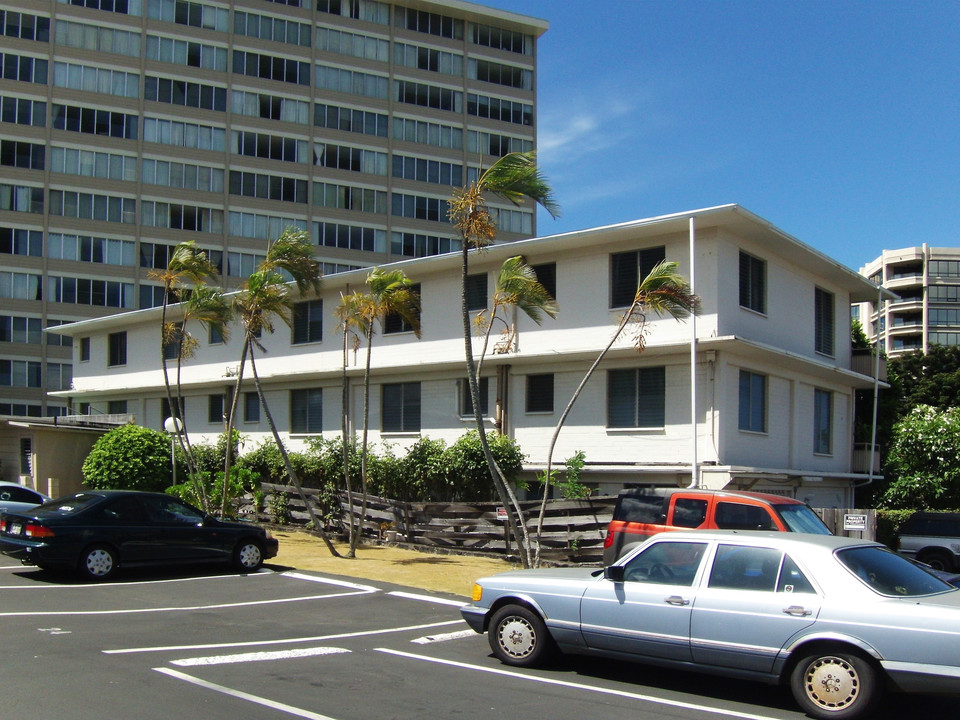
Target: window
{"x":117,"y":348}
{"x":395,"y":323}
{"x":417,"y":245}
{"x":753,"y":402}
{"x":466,"y":401}
{"x":270,"y":67}
{"x":539,"y":393}
{"x":306,"y":411}
{"x":187,"y":94}
{"x":547,"y":276}
{"x":308,"y":322}
{"x":476,"y":291}
{"x":400,"y":407}
{"x":23,"y":111}
{"x":666,"y":563}
{"x":94,"y":121}
{"x":268,"y":187}
{"x":215,"y":336}
{"x":17,"y":241}
{"x":627,"y":271}
{"x":822,"y":422}
{"x":347,"y":119}
{"x":117,"y":407}
{"x":251,"y":407}
{"x":84,"y":349}
{"x":745,"y":568}
{"x":215,"y":408}
{"x":753,"y":283}
{"x":496,"y":108}
{"x":636,"y":398}
{"x":29,"y":156}
{"x":824,"y":321}
{"x":689,"y":512}
{"x":737,"y":516}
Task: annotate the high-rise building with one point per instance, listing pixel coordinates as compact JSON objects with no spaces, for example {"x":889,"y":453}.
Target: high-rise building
{"x":129,"y":126}
{"x":927,"y":309}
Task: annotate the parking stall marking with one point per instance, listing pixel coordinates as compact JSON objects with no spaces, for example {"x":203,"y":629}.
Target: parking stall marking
{"x":442,"y":637}
{"x":258,"y":656}
{"x":577,"y":686}
{"x":427,"y":598}
{"x":283,"y":641}
{"x":240,"y":695}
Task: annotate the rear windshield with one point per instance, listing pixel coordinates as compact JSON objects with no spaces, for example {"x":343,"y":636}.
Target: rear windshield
{"x":800,"y":518}
{"x":70,"y":505}
{"x":890,"y":574}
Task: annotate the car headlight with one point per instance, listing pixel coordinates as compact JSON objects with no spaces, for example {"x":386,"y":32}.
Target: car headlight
{"x":477,"y":593}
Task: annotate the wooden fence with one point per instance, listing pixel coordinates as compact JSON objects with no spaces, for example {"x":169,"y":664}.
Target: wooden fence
{"x":573,"y":530}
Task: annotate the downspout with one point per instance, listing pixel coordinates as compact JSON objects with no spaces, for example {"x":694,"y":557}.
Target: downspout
{"x":876,"y":395}
{"x":694,"y":463}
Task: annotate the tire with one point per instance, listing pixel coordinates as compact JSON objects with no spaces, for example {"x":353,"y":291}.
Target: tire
{"x":937,"y":559}
{"x":248,"y":556}
{"x":836,"y":685}
{"x":518,"y":636}
{"x":98,"y":562}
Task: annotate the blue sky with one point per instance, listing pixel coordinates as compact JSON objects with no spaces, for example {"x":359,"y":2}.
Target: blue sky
{"x":837,"y":121}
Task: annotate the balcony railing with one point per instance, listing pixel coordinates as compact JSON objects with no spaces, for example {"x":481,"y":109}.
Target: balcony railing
{"x":863,"y":361}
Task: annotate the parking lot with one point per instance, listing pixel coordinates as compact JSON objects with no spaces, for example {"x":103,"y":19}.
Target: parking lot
{"x":289,"y":644}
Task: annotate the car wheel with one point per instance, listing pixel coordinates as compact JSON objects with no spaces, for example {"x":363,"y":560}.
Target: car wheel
{"x":519,"y":637}
{"x":937,"y":559}
{"x":97,"y":562}
{"x":248,"y":556}
{"x":838,"y":686}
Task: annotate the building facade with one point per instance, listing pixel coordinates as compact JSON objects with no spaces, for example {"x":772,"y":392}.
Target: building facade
{"x":771,"y":368}
{"x":127,"y":126}
{"x":926,"y":310}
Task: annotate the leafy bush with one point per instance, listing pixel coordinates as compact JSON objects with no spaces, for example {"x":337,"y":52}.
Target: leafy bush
{"x":923,"y":462}
{"x":467,"y":471}
{"x":129,"y":457}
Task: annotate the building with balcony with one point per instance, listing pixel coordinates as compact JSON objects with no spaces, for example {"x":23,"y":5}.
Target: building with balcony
{"x":128,"y":126}
{"x":756,"y":393}
{"x":926,"y":311}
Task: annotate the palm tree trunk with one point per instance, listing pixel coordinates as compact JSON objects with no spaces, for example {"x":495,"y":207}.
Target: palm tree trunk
{"x":231,"y":414}
{"x":295,"y":479}
{"x":345,"y":428}
{"x":363,"y":443}
{"x":563,"y":417}
{"x":507,"y":496}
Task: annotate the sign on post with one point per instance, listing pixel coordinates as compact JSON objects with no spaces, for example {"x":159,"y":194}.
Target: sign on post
{"x":855,"y":522}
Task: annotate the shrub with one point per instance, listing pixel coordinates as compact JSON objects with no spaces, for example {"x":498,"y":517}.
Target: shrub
{"x":129,"y":457}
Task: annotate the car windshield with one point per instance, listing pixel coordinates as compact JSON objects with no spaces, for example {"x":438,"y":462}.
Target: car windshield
{"x":890,"y":574}
{"x":800,"y":518}
{"x":70,"y":505}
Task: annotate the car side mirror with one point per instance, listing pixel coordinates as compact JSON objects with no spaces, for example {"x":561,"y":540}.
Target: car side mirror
{"x":614,"y":573}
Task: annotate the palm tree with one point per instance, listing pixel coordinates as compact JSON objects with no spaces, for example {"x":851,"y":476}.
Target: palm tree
{"x":662,"y":292}
{"x":351,"y":324}
{"x":515,"y":178}
{"x":391,"y":293}
{"x":264,"y":296}
{"x":188,"y":269}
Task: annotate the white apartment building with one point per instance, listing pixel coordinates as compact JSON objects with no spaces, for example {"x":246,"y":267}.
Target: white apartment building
{"x":771,"y":367}
{"x":926,"y":310}
{"x":127,"y":126}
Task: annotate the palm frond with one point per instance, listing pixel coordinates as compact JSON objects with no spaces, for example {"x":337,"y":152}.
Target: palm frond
{"x":516,"y":177}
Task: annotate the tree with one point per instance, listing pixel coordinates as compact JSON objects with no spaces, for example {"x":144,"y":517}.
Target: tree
{"x":391,"y":293}
{"x":926,"y":379}
{"x":923,"y":462}
{"x":515,"y":177}
{"x":187,"y":271}
{"x":516,"y":287}
{"x":266,"y":296}
{"x":129,"y":457}
{"x":662,"y":292}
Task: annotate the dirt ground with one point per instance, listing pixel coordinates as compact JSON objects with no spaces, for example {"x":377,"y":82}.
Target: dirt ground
{"x":452,"y":574}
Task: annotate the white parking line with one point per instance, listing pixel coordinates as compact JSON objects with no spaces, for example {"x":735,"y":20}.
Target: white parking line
{"x":443,"y":637}
{"x":258,"y":656}
{"x":286,"y":641}
{"x":578,"y":686}
{"x":329,"y":581}
{"x":282,"y":707}
{"x":185,"y":608}
{"x":428,"y":598}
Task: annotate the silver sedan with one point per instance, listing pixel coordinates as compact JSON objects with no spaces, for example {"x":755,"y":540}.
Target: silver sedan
{"x":836,"y":619}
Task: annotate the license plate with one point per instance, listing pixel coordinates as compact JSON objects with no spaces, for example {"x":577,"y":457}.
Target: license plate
{"x":15,"y":528}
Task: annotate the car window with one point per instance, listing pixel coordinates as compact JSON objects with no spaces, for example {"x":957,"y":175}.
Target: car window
{"x":127,"y":509}
{"x":737,"y":567}
{"x":800,"y":518}
{"x":689,"y":512}
{"x":170,"y":510}
{"x":666,"y":563}
{"x":20,"y":494}
{"x":792,"y":580}
{"x":737,"y":516}
{"x":71,"y":505}
{"x":640,"y":508}
{"x":887,"y":573}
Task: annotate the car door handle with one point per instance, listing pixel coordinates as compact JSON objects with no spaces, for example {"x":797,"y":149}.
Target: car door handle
{"x":676,"y":600}
{"x":797,"y":611}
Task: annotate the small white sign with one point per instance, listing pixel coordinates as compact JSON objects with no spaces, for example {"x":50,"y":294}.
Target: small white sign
{"x":501,"y":513}
{"x":854,"y":522}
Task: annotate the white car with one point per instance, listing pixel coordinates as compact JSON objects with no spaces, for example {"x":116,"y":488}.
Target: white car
{"x":14,"y":497}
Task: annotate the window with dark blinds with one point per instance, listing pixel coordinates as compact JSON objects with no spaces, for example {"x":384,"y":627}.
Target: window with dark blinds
{"x":306,"y":410}
{"x":466,"y":401}
{"x":636,"y":397}
{"x":400,"y":407}
{"x":753,"y":283}
{"x":628,"y":269}
{"x":476,"y":292}
{"x":824,"y":321}
{"x":539,"y":393}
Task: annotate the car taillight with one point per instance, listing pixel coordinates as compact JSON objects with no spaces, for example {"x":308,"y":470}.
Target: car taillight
{"x":3,"y":525}
{"x":37,"y":531}
{"x":608,"y":540}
